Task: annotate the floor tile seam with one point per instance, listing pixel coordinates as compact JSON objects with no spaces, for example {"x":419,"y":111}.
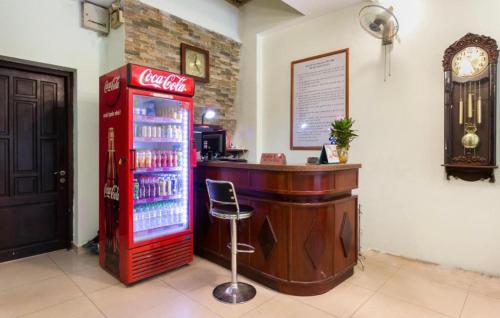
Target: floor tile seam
{"x":82,"y":291}
{"x":50,"y":306}
{"x":31,"y":282}
{"x":463,"y":305}
{"x":391,"y":276}
{"x":415,"y":304}
{"x":475,"y":293}
{"x":4,"y":291}
{"x":188,"y":296}
{"x":71,"y":272}
{"x":442,"y":284}
{"x":299,"y":298}
{"x":364,"y":303}
{"x":258,"y":306}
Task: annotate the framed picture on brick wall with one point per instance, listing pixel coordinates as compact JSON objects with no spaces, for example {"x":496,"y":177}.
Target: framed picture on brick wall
{"x":195,"y":62}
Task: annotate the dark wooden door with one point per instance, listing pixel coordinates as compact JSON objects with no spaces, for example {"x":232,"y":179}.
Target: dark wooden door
{"x":34,"y":161}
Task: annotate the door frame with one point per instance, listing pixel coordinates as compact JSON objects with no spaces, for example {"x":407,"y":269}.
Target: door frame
{"x":69,"y":75}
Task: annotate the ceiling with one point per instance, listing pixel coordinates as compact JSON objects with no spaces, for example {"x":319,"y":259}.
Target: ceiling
{"x":306,"y":7}
{"x":102,"y":3}
{"x":238,"y":2}
{"x":309,"y":7}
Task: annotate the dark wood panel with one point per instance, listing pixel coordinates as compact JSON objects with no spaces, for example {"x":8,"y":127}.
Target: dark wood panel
{"x":311,"y":244}
{"x":268,"y":233}
{"x":269,"y":181}
{"x":25,"y":145}
{"x":4,"y":167}
{"x":49,"y":164}
{"x":4,"y":105}
{"x":305,"y":182}
{"x":346,"y":229}
{"x":205,"y":226}
{"x":25,"y":87}
{"x":48,"y":109}
{"x":238,"y":177}
{"x":345,"y":180}
{"x":26,"y":185}
{"x":35,"y":224}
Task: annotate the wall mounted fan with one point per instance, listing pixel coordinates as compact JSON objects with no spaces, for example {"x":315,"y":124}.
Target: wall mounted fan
{"x":380,"y":22}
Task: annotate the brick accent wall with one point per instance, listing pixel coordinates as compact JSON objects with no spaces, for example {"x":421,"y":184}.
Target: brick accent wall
{"x":153,"y":38}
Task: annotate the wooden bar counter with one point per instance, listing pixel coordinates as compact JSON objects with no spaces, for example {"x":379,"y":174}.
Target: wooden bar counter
{"x":304,"y":228}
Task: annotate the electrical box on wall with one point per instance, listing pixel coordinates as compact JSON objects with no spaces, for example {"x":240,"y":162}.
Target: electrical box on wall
{"x":95,"y":18}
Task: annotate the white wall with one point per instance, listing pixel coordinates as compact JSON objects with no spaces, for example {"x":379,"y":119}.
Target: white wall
{"x":410,"y":208}
{"x":49,"y":32}
{"x":255,"y":17}
{"x":215,"y":15}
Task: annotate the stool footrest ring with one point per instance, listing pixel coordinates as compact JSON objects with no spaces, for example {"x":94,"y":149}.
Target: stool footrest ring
{"x":246,"y":248}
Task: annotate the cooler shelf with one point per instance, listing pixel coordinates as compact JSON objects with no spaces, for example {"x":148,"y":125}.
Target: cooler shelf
{"x":157,"y":199}
{"x":155,"y":120}
{"x":153,"y":170}
{"x":156,"y":139}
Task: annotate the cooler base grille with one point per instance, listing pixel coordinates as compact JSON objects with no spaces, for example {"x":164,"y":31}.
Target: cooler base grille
{"x":152,"y":260}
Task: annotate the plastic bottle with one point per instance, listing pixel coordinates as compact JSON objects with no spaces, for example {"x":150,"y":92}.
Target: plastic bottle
{"x":147,"y":159}
{"x":136,"y":189}
{"x":142,"y":188}
{"x":170,"y":132}
{"x":174,"y":159}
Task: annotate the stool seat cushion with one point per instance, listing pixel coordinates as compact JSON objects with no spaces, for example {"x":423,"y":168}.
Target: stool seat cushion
{"x":229,"y":212}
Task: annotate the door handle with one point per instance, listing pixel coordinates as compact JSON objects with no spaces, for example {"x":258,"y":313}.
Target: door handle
{"x":62,"y":173}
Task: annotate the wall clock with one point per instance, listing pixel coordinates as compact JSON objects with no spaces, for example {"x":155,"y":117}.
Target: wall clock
{"x":195,"y":62}
{"x":470,"y":76}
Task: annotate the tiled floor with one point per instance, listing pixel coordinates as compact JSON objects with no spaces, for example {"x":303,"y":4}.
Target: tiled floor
{"x":67,"y":284}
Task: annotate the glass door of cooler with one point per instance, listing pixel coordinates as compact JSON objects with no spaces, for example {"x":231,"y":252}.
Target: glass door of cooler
{"x":160,"y":181}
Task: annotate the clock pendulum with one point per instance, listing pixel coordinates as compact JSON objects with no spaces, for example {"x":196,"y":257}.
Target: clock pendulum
{"x":461,"y":107}
{"x":478,"y":104}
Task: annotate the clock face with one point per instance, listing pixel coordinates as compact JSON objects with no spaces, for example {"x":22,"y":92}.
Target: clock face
{"x":195,"y":64}
{"x":470,"y":61}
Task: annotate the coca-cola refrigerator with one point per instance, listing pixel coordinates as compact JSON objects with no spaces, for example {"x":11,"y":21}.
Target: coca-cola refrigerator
{"x":146,"y":158}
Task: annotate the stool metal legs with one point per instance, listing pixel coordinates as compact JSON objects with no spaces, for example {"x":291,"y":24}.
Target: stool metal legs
{"x":234,"y":292}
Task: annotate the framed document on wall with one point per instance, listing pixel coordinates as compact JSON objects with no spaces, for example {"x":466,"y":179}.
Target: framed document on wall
{"x":319,"y":95}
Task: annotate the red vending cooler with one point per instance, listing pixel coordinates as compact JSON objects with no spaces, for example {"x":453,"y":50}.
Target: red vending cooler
{"x":145,"y":171}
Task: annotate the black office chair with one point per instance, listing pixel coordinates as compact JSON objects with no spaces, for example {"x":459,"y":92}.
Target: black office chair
{"x":224,"y":205}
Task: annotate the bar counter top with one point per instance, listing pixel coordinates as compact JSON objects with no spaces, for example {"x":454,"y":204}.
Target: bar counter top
{"x":278,"y":167}
{"x":304,"y":227}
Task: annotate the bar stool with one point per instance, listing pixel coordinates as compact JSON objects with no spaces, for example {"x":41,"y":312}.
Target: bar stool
{"x":224,"y":205}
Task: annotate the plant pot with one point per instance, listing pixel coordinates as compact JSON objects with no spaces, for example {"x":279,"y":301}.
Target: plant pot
{"x":343,"y":154}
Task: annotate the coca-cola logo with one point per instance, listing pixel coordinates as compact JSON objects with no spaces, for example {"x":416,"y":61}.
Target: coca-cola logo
{"x":171,"y":82}
{"x":112,"y":193}
{"x":112,"y":85}
{"x":111,"y":90}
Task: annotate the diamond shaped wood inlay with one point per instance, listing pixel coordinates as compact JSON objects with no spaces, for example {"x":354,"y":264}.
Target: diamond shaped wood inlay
{"x":346,"y":234}
{"x":267,"y":238}
{"x":315,"y":245}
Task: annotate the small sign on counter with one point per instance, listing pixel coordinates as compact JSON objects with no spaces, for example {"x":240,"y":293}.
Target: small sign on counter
{"x":273,"y":159}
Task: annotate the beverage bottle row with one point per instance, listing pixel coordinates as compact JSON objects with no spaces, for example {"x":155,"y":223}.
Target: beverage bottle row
{"x":157,"y":215}
{"x":158,"y":158}
{"x":157,"y":186}
{"x":173,"y":132}
{"x":150,"y":109}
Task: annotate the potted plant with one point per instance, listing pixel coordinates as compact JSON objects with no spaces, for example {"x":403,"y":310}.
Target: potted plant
{"x":341,"y":134}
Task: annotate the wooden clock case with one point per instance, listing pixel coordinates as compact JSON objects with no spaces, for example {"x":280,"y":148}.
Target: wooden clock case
{"x":460,"y":162}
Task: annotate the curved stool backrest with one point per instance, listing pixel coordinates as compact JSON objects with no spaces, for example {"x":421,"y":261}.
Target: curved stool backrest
{"x":222,"y":192}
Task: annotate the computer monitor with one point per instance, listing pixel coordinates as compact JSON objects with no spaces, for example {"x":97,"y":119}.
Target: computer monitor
{"x":213,"y":143}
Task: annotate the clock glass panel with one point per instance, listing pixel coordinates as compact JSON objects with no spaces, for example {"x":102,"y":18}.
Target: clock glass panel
{"x":470,"y":61}
{"x":196,"y":64}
